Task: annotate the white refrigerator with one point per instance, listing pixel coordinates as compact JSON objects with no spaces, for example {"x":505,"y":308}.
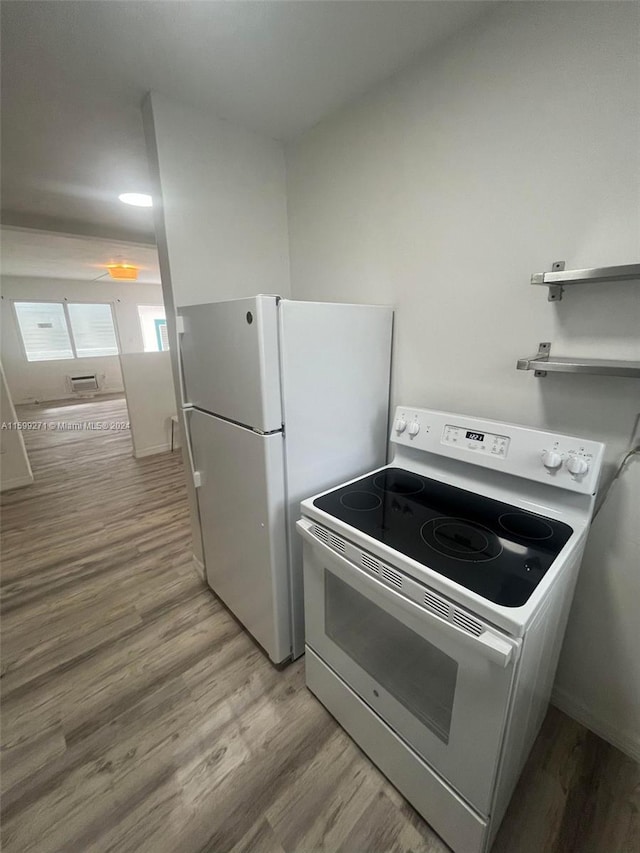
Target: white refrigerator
{"x":282,"y":399}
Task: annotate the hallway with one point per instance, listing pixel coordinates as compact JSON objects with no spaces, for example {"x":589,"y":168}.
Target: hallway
{"x":137,"y":716}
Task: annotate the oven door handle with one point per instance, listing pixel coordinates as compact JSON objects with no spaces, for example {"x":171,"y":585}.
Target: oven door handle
{"x":495,"y":648}
{"x":491,"y":646}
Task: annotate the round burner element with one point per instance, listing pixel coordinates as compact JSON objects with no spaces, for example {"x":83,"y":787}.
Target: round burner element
{"x":526,"y":526}
{"x":461,"y":539}
{"x":361,"y":501}
{"x":399,"y":483}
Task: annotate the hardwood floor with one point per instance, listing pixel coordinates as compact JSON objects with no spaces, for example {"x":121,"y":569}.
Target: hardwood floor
{"x":138,"y":716}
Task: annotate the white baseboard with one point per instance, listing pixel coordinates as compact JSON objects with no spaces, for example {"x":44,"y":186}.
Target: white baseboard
{"x":152,"y":450}
{"x":16,"y":483}
{"x":626,"y":741}
{"x":101,"y":392}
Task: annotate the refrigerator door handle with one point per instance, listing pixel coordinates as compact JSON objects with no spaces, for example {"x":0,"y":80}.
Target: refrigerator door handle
{"x":185,"y":407}
{"x":180,"y":331}
{"x":196,"y":476}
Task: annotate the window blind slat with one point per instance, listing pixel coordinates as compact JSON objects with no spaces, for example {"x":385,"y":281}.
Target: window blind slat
{"x":43,"y":327}
{"x":164,"y":336}
{"x":92,"y":329}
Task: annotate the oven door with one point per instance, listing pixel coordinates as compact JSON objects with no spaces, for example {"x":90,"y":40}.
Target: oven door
{"x":443,"y":690}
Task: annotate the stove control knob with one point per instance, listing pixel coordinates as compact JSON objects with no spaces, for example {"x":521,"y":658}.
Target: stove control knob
{"x":577,"y":465}
{"x":414,"y":428}
{"x":401,"y":425}
{"x":551,"y":459}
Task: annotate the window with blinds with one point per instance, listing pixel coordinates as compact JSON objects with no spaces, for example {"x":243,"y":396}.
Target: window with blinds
{"x":163,"y":334}
{"x":43,"y":326}
{"x":55,"y":330}
{"x":92,"y":329}
{"x":153,"y":323}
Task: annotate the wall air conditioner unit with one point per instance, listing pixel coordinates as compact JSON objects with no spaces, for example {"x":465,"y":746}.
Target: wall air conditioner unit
{"x":82,"y":384}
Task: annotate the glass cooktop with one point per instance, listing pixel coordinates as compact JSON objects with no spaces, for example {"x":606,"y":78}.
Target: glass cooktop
{"x":494,"y":549}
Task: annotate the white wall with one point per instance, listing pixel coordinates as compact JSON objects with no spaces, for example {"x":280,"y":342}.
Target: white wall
{"x":15,"y":470}
{"x":220,"y":215}
{"x":47,"y":380}
{"x":221,"y":191}
{"x":514,"y":146}
{"x":150,"y":400}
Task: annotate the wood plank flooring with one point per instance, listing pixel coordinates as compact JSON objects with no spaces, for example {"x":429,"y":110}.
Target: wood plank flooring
{"x":138,"y":716}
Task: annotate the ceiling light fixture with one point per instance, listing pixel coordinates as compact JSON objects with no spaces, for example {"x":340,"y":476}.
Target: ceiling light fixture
{"x":136,"y":199}
{"x":123,"y":272}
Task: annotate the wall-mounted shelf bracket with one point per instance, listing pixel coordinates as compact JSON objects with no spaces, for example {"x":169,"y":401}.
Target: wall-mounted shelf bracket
{"x":544,"y":351}
{"x":555,"y":290}
{"x":542,"y":363}
{"x":559,"y":277}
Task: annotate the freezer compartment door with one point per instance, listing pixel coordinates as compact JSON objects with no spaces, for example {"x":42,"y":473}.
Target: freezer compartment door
{"x":242,"y":513}
{"x":230,"y":360}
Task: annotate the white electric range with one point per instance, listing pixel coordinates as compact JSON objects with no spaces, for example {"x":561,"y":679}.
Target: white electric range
{"x":437,"y":591}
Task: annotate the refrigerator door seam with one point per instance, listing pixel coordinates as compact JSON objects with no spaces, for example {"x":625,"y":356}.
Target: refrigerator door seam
{"x":295,"y":642}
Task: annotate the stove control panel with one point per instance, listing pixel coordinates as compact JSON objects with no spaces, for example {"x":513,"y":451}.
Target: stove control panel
{"x":476,"y":440}
{"x":551,"y":459}
{"x":578,"y":465}
{"x":561,"y":461}
{"x":568,"y":457}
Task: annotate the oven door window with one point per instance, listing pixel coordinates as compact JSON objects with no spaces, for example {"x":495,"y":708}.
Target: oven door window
{"x":419,"y":675}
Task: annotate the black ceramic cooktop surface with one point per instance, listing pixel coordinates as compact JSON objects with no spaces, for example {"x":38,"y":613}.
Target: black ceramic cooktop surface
{"x":497,"y":550}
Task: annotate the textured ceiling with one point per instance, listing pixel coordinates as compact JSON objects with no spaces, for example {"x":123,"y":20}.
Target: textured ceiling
{"x":74,"y":75}
{"x":43,"y":255}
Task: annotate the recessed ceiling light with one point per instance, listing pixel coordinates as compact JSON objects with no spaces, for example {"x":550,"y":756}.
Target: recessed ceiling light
{"x":137,"y":199}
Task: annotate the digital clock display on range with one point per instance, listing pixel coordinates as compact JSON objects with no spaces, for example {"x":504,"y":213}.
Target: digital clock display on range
{"x":475,"y":436}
